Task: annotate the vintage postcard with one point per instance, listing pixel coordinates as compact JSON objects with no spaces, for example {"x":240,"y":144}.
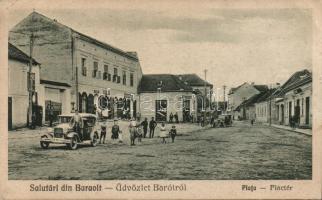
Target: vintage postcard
{"x":161,"y":99}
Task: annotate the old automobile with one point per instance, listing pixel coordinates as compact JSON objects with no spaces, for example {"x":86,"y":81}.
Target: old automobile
{"x":223,"y":121}
{"x":65,"y":133}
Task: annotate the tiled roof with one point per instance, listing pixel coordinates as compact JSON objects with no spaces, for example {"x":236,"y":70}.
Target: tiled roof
{"x":16,"y":54}
{"x":298,"y":79}
{"x":266,"y":95}
{"x":168,"y":82}
{"x":193,"y":80}
{"x":232,"y":90}
{"x":251,"y":101}
{"x":261,"y":88}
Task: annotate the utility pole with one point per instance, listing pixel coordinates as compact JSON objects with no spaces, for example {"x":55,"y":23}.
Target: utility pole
{"x":77,"y":96}
{"x":270,"y":105}
{"x":30,"y":82}
{"x":224,"y":98}
{"x":205,"y":97}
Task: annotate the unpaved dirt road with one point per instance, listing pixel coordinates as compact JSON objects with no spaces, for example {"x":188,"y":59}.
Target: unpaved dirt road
{"x":238,"y":152}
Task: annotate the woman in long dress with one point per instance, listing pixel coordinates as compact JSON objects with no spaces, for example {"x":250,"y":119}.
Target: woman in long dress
{"x":163,"y":133}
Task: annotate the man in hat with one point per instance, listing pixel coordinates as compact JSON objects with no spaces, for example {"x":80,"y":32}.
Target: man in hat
{"x":145,"y":124}
{"x":77,"y":122}
{"x":152,"y":125}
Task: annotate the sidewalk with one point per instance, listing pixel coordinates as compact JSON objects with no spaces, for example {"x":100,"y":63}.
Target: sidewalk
{"x":297,"y":130}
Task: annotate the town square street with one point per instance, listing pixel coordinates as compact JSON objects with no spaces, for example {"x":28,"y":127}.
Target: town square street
{"x":234,"y":153}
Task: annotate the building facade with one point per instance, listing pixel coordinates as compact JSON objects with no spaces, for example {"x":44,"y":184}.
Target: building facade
{"x":265,"y":107}
{"x":163,"y":94}
{"x":202,"y":89}
{"x":81,"y":66}
{"x":240,"y":94}
{"x":294,"y":100}
{"x":18,"y":95}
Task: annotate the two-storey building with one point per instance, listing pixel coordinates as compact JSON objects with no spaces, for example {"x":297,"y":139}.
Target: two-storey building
{"x":90,"y":67}
{"x":238,"y":95}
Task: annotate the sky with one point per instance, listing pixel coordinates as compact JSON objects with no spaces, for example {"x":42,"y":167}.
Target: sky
{"x":235,"y":45}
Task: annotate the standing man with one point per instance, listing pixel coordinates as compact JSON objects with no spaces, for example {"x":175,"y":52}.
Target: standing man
{"x":103,"y":132}
{"x":152,"y":126}
{"x":77,"y":123}
{"x":145,"y":127}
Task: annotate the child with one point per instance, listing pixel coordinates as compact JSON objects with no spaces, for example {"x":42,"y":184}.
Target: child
{"x":173,"y":133}
{"x":140,"y":134}
{"x":115,"y":130}
{"x":163,"y":133}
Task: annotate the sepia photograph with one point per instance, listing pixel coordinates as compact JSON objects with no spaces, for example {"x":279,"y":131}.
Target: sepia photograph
{"x":171,"y":99}
{"x":153,"y":95}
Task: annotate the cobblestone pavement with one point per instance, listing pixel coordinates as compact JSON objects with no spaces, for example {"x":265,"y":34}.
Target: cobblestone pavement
{"x":238,"y":152}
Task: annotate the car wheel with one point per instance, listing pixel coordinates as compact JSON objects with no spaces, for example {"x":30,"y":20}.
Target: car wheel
{"x":94,"y":140}
{"x":44,"y":145}
{"x":73,"y":143}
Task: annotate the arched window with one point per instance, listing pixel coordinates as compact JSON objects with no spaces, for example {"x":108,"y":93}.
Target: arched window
{"x":90,"y":104}
{"x":84,"y":102}
{"x":79,"y":102}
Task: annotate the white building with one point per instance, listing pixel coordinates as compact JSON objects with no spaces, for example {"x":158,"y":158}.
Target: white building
{"x":240,"y":94}
{"x":295,"y":100}
{"x":18,"y":95}
{"x":163,"y":94}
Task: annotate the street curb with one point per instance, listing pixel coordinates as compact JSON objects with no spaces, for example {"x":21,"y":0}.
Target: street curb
{"x":291,"y":130}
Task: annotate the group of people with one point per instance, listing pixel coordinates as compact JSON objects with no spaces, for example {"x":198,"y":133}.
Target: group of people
{"x":135,"y":131}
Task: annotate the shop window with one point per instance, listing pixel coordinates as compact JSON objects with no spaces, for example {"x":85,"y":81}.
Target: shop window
{"x":106,"y":75}
{"x":115,"y":75}
{"x":95,"y":69}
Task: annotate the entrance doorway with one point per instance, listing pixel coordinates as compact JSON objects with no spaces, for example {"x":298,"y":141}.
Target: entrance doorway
{"x":53,"y":109}
{"x":282,"y":114}
{"x":307,"y":110}
{"x":297,"y":111}
{"x":186,"y":110}
{"x":161,"y":110}
{"x":10,"y":113}
{"x":290,"y":110}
